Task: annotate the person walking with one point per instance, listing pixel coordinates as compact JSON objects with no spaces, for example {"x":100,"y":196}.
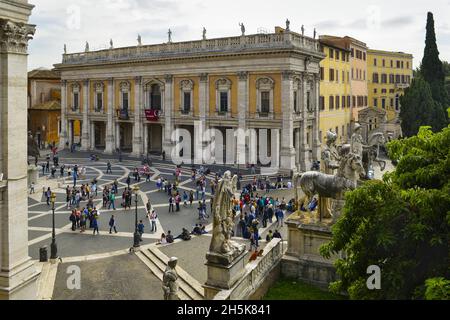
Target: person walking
{"x":95,"y":224}
{"x":185,"y":198}
{"x":74,"y":176}
{"x":48,"y":194}
{"x":112,"y":225}
{"x":140,"y":229}
{"x":171,"y":201}
{"x":108,"y":168}
{"x":112,"y":199}
{"x":73,"y":219}
{"x":191,"y":197}
{"x":148,"y":206}
{"x":32,"y":187}
{"x":177,"y":201}
{"x":153,"y":218}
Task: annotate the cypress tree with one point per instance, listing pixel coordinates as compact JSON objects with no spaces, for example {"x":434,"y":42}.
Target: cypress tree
{"x":432,"y":68}
{"x":419,"y":109}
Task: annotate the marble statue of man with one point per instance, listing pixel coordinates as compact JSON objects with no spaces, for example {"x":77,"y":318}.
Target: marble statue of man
{"x":169,"y":33}
{"x":330,"y":162}
{"x":170,"y":277}
{"x":65,"y":49}
{"x":303,"y":30}
{"x":139,"y":39}
{"x":242,"y":28}
{"x":86,"y":49}
{"x":111,"y":45}
{"x":223,"y":216}
{"x":288,"y":23}
{"x":204,"y":33}
{"x":357,"y":142}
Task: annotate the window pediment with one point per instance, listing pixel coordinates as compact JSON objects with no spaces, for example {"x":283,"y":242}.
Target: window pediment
{"x":265,"y":83}
{"x":187,"y":85}
{"x":124,"y":86}
{"x":223,"y":84}
{"x":99,"y":86}
{"x":148,"y":85}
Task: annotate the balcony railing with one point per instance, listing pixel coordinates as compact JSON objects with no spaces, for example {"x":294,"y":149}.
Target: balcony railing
{"x":287,"y":40}
{"x":123,"y":114}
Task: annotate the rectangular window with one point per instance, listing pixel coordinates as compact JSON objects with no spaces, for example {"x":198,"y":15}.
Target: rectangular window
{"x":407,"y":64}
{"x":384,"y":63}
{"x":224,"y":101}
{"x":265,"y":101}
{"x":349,"y":101}
{"x":75,"y":100}
{"x":353,"y":52}
{"x":366,"y":100}
{"x":397,"y":78}
{"x":383,"y":103}
{"x":337,"y":75}
{"x":375,"y":78}
{"x":322,"y":74}
{"x":354,"y":101}
{"x":398,"y":64}
{"x":364,"y":56}
{"x":375,"y":102}
{"x":187,"y":101}
{"x":375,"y":90}
{"x":331,"y":75}
{"x":99,"y":101}
{"x":331,"y":53}
{"x":308,"y":100}
{"x":295,"y":101}
{"x":337,"y":102}
{"x":392,"y":63}
{"x":125,"y":100}
{"x":331,"y":103}
{"x":383,"y":78}
{"x":375,"y":62}
{"x":337,"y":55}
{"x":343,"y":102}
{"x":391,"y":78}
{"x":322,"y":102}
{"x":343,"y":76}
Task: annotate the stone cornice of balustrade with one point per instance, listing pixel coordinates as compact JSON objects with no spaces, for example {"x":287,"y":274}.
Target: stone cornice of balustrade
{"x":232,"y":46}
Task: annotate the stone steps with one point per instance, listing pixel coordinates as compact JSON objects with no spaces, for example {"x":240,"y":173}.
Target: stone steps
{"x":156,"y":261}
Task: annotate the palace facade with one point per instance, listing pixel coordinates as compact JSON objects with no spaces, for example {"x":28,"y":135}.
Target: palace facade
{"x":134,"y":98}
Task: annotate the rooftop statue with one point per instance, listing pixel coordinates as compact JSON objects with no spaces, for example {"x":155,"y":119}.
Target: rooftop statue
{"x":242,"y":28}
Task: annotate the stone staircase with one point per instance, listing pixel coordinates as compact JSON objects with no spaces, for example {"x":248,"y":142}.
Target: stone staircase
{"x":156,"y":261}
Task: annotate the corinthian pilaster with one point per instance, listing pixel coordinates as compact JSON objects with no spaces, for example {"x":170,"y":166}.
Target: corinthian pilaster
{"x":18,"y":274}
{"x":14,"y":36}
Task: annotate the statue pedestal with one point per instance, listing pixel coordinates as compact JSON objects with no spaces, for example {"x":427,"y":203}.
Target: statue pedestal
{"x":302,"y":259}
{"x":33,"y":174}
{"x":223,"y":276}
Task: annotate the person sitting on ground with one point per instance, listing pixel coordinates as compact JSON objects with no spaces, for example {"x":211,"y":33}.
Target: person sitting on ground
{"x":184,"y":235}
{"x":163,"y":239}
{"x":196,"y":230}
{"x":269,"y":236}
{"x":276,"y":235}
{"x":169,"y":237}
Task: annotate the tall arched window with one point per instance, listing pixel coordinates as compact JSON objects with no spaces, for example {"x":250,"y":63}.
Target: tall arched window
{"x":155,"y":97}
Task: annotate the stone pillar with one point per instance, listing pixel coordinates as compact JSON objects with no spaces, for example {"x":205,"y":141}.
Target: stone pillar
{"x":304,"y":148}
{"x":85,"y":145}
{"x":168,"y":111}
{"x":92,"y":135}
{"x":117,"y":137}
{"x":137,"y":137}
{"x":316,"y":126}
{"x":18,"y":274}
{"x":287,"y":152}
{"x":145,"y":138}
{"x":63,"y":134}
{"x":241,"y":156}
{"x":109,"y":141}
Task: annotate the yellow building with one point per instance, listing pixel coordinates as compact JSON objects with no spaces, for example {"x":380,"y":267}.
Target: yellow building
{"x":390,"y":73}
{"x":335,"y":90}
{"x":135,"y":98}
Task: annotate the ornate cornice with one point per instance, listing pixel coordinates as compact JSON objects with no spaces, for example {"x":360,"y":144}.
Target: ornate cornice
{"x":14,"y":36}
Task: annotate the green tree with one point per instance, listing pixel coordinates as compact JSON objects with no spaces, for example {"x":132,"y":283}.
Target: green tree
{"x":400,"y":224}
{"x":437,"y":289}
{"x":432,"y":68}
{"x":419,"y":109}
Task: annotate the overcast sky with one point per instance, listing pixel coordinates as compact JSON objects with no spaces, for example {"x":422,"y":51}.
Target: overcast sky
{"x":383,"y":24}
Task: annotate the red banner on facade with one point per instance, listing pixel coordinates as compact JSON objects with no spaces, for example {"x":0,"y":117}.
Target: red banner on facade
{"x":152,"y":115}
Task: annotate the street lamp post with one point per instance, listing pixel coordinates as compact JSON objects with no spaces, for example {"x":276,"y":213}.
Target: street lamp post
{"x":136,"y":237}
{"x":53,"y":246}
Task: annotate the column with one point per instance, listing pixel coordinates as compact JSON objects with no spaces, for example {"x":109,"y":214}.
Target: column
{"x":63,"y":134}
{"x":287,"y":153}
{"x":241,"y":155}
{"x":117,"y":137}
{"x":304,"y":148}
{"x":145,"y":138}
{"x":168,"y":111}
{"x":137,"y":132}
{"x":316,"y":126}
{"x":70,"y":133}
{"x":18,"y":275}
{"x":85,"y":145}
{"x":109,"y":147}
{"x":92,"y":135}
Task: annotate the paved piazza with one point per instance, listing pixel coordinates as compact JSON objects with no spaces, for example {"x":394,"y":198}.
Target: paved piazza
{"x":78,"y":245}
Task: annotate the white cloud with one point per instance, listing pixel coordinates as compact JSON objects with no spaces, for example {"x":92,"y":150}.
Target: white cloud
{"x":384,"y":24}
